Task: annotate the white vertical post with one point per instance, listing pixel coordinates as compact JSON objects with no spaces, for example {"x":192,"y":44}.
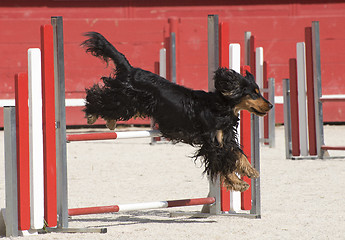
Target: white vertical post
{"x":302,"y":98}
{"x":36,"y":139}
{"x":235,"y":57}
{"x":163,"y":62}
{"x":162,"y":73}
{"x":235,"y":64}
{"x":259,"y":75}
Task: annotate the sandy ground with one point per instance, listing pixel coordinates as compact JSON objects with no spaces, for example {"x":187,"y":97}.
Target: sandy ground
{"x":300,"y":199}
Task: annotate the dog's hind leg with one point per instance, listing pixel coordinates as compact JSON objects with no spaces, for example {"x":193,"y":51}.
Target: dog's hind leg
{"x":244,"y":168}
{"x":111,"y":124}
{"x":234,"y":183}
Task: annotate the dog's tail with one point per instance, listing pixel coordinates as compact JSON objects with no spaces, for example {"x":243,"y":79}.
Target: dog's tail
{"x":99,"y":47}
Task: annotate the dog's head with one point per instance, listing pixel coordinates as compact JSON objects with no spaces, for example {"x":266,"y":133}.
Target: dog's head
{"x":243,"y":92}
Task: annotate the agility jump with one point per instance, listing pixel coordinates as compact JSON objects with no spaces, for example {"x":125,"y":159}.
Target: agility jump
{"x":303,"y":113}
{"x":17,"y":147}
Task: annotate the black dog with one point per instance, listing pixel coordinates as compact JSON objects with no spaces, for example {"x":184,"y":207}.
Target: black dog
{"x":205,"y":119}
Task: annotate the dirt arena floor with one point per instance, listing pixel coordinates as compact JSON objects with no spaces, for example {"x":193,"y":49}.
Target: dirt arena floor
{"x":302,"y":199}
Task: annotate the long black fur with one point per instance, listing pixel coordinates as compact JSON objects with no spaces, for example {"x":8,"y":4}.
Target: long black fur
{"x":183,"y":114}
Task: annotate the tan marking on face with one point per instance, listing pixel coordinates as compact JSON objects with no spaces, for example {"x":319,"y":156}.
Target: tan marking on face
{"x":257,"y":106}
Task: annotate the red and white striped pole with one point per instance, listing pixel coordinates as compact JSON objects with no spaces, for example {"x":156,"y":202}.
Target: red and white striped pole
{"x":141,"y":206}
{"x":112,"y":135}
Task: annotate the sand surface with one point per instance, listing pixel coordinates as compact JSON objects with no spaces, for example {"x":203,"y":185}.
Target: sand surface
{"x":300,"y":199}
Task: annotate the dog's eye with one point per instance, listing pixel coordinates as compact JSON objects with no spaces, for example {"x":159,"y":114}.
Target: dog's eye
{"x":257,"y":90}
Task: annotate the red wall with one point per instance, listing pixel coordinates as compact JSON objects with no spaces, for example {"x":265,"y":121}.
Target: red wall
{"x":140,"y":28}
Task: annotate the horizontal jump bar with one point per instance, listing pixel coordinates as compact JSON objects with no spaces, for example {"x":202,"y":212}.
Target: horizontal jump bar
{"x":112,"y":135}
{"x":333,"y":98}
{"x":140,"y":206}
{"x":324,"y":147}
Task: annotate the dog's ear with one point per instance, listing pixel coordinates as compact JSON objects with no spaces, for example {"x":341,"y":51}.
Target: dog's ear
{"x":249,"y":76}
{"x":228,"y":82}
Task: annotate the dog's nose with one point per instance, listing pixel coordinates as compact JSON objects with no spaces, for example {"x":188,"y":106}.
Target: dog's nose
{"x":270,"y":105}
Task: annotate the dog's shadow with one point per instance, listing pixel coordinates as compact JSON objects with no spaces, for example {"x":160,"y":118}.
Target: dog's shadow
{"x":138,"y":217}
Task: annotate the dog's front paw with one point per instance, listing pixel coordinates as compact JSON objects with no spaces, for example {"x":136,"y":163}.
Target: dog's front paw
{"x":244,"y":168}
{"x":233,"y":183}
{"x":252,"y":173}
{"x":91,"y":119}
{"x":240,"y":186}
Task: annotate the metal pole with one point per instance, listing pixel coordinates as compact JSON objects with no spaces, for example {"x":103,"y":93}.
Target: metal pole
{"x":10,"y":172}
{"x":60,"y":118}
{"x":213,"y":48}
{"x":247,"y":36}
{"x":256,"y":194}
{"x":317,"y":88}
{"x":173,"y":56}
{"x":255,"y":138}
{"x":287,"y":118}
{"x":272,"y":113}
{"x":302,"y":99}
{"x":213,"y":64}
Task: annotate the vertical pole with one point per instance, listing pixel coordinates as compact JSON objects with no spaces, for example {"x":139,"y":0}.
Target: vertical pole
{"x":247,"y":36}
{"x":162,"y":73}
{"x":235,"y":64}
{"x":163,"y":62}
{"x":245,"y":141}
{"x":259,"y":71}
{"x":302,"y":100}
{"x":249,"y":42}
{"x":265,"y":93}
{"x":255,"y":140}
{"x":10,"y":172}
{"x":23,"y":161}
{"x":310,"y":92}
{"x":287,"y":118}
{"x":213,"y":49}
{"x":294,"y":107}
{"x":271,"y":114}
{"x":317,"y":87}
{"x":60,"y":119}
{"x":36,"y":138}
{"x":252,"y":47}
{"x":48,"y":113}
{"x":259,"y":67}
{"x":256,"y":194}
{"x":213,"y":63}
{"x":173,"y":55}
{"x":227,"y":200}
